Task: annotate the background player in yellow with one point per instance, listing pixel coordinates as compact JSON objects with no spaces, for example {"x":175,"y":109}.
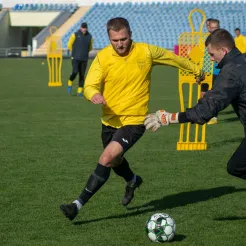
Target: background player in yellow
{"x":240,"y":41}
{"x":229,"y":88}
{"x":80,"y":44}
{"x":119,"y":79}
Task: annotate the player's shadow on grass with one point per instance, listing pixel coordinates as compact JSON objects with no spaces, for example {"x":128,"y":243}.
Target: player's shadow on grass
{"x":178,"y":238}
{"x":230,"y":218}
{"x":190,"y":197}
{"x":228,"y":120}
{"x":227,"y":112}
{"x":171,"y":201}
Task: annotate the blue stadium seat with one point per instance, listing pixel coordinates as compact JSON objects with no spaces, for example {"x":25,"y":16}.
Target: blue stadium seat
{"x":35,"y":6}
{"x":158,"y":23}
{"x":62,"y":6}
{"x":51,"y":6}
{"x":22,"y":6}
{"x":26,"y":6}
{"x":39,"y":7}
{"x":45,"y":7}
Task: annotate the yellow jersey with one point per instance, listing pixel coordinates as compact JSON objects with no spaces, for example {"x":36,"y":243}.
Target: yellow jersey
{"x":240,"y":43}
{"x":124,"y":81}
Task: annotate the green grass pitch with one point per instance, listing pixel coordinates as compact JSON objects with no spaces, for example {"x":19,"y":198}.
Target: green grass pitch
{"x":50,"y":144}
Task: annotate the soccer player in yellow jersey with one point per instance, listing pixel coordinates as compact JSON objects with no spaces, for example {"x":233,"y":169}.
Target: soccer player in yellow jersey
{"x":119,"y":79}
{"x":240,"y":41}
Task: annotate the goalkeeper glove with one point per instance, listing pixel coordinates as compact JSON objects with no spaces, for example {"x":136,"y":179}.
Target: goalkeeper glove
{"x":160,"y":118}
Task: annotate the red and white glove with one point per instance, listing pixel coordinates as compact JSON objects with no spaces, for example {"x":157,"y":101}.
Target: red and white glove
{"x":160,"y":118}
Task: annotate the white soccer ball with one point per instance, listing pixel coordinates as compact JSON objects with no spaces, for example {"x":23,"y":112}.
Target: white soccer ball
{"x":160,"y":228}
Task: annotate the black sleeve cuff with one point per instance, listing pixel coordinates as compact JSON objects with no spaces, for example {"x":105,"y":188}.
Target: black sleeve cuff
{"x":183,"y":117}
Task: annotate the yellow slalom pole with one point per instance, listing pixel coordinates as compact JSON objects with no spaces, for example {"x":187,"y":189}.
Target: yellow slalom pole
{"x":189,"y":106}
{"x":57,"y":79}
{"x":52,"y":69}
{"x":60,"y":67}
{"x":49,"y":69}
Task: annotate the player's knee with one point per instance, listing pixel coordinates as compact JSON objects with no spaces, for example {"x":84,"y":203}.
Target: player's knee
{"x":105,"y":160}
{"x":109,"y":161}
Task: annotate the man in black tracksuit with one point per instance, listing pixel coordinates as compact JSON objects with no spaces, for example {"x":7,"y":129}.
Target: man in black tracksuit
{"x":229,"y":88}
{"x":80,"y":44}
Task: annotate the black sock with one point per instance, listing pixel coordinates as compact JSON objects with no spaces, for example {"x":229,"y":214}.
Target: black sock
{"x":94,"y":183}
{"x":124,"y":171}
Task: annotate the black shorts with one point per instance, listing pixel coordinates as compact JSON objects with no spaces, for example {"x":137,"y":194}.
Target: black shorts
{"x":126,"y":136}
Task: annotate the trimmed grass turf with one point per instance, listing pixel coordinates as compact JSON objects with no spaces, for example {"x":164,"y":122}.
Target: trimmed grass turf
{"x":50,"y":143}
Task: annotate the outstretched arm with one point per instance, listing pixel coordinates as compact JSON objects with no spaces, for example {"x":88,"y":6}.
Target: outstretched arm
{"x":166,"y":57}
{"x":226,"y":88}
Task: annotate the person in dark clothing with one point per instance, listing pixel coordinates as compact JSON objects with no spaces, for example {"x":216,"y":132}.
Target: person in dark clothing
{"x":80,"y":44}
{"x":229,"y":88}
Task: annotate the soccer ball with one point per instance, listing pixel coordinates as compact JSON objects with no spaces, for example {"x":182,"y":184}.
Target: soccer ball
{"x":160,"y":228}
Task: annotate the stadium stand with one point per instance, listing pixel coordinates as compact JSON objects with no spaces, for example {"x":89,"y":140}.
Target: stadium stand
{"x":158,"y":23}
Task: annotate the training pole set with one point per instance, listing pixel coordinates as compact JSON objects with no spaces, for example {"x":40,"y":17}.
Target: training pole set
{"x":192,"y":46}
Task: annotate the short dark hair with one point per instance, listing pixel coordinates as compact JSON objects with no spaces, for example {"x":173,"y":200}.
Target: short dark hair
{"x":215,"y":21}
{"x":220,"y":38}
{"x":209,"y":19}
{"x":118,"y":23}
{"x":237,"y":29}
